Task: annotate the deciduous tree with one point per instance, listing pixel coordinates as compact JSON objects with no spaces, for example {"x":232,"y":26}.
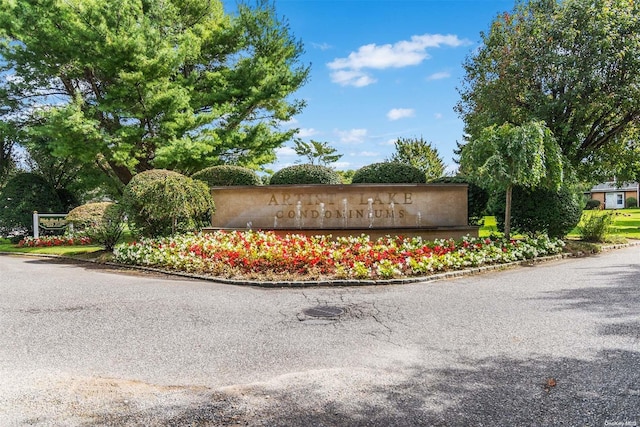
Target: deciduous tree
{"x":574,"y":64}
{"x":316,"y":151}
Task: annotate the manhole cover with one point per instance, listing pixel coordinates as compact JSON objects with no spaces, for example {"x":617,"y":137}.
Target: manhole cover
{"x":323,"y":311}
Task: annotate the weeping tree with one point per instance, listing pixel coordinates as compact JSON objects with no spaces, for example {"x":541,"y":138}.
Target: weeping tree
{"x":508,"y":155}
{"x":132,"y":85}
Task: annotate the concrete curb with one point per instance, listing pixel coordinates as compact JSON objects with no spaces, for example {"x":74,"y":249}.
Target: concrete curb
{"x":330,"y":282}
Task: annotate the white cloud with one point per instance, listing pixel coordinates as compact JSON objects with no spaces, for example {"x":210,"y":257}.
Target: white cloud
{"x":352,"y":78}
{"x":349,"y":71}
{"x":285,"y":151}
{"x":400,"y":113}
{"x":307,"y":132}
{"x":438,"y":116}
{"x":439,"y":76}
{"x":352,"y":135}
{"x":321,"y":46}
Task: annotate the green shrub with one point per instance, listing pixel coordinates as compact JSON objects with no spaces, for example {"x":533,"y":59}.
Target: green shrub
{"x":88,"y":215}
{"x":593,"y":204}
{"x":161,"y":202}
{"x":389,"y":173}
{"x":23,"y":194}
{"x":226,"y":175}
{"x":346,"y":176}
{"x":594,"y":227}
{"x":631,"y":202}
{"x":477,"y":197}
{"x":305,"y":174}
{"x":540,"y":211}
{"x":102,"y":222}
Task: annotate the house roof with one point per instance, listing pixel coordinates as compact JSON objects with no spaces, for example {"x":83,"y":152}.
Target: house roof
{"x":608,"y":187}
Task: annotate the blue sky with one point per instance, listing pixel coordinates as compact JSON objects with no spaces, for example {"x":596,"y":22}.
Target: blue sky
{"x":383,"y":69}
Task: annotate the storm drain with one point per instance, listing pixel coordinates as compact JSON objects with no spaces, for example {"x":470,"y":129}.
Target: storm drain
{"x":323,"y":311}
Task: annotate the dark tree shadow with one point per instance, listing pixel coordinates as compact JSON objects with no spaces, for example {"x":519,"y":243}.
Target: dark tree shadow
{"x":620,"y":300}
{"x":107,"y":268}
{"x":492,"y":392}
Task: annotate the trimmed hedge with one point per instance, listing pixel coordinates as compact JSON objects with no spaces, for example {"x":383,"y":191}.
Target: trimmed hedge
{"x":555,"y":213}
{"x":88,"y":215}
{"x":160,"y":202}
{"x":389,"y":173}
{"x":227,"y":175}
{"x":305,"y":174}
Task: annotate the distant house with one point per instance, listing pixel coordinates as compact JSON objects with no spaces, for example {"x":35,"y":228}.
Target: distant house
{"x":613,"y":195}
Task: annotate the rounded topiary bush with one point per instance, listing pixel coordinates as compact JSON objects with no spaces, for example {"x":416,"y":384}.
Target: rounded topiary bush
{"x":88,"y":215}
{"x":305,"y":174}
{"x":23,"y":194}
{"x":161,"y":202}
{"x":226,"y":175}
{"x":389,"y":173}
{"x":102,"y":222}
{"x":477,"y":197}
{"x":592,"y":204}
{"x":541,"y":211}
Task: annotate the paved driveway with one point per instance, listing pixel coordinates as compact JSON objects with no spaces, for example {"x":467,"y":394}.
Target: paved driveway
{"x":552,"y":344}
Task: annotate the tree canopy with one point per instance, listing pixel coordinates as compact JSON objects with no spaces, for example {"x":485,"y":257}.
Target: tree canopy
{"x":131,"y":85}
{"x":7,"y":160}
{"x":316,"y":151}
{"x":575,"y":65}
{"x":420,"y":154}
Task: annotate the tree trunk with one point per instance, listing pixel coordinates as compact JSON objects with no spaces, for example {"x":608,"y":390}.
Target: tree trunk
{"x":121,"y":172}
{"x":507,"y":213}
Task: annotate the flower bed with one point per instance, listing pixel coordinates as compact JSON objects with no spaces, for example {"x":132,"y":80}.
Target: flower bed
{"x":263,"y":255}
{"x":31,"y":242}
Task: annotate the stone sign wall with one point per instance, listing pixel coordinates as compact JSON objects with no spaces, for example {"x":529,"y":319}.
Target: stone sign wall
{"x":354,"y":206}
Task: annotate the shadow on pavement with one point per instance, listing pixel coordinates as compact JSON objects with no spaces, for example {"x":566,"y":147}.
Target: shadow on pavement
{"x":496,"y":392}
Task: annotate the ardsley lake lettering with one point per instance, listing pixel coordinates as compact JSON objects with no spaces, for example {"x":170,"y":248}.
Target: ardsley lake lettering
{"x":328,"y":199}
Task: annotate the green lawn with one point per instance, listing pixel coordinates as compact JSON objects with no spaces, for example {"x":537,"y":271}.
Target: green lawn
{"x":626,"y":223}
{"x":7,"y":246}
{"x":488,"y":227}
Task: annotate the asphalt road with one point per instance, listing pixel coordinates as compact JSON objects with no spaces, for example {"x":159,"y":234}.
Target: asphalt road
{"x":556,"y":343}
